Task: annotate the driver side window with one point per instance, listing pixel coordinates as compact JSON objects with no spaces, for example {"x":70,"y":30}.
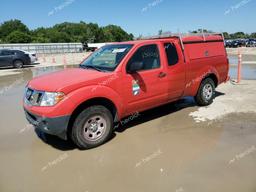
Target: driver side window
{"x":148,"y":55}
{"x":7,"y":53}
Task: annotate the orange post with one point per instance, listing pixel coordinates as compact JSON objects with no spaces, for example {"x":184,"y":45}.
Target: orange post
{"x":64,"y":60}
{"x":53,"y":60}
{"x":44,"y":60}
{"x":73,"y":59}
{"x":239,"y":67}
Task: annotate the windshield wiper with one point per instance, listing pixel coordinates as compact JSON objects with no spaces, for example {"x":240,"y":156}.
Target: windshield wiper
{"x":91,"y":67}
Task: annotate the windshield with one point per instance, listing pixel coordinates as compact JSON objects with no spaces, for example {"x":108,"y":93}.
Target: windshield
{"x":107,"y":58}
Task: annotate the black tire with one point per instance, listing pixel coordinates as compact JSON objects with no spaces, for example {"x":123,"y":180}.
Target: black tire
{"x":202,"y":98}
{"x":86,"y":127}
{"x":18,"y":64}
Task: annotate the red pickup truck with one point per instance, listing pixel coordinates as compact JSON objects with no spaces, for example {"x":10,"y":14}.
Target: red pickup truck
{"x":121,"y":79}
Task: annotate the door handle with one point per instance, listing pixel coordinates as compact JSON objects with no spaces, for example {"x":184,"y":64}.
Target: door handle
{"x":162,"y":75}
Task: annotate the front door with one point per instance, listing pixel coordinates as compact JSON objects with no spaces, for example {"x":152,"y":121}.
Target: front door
{"x":147,"y":87}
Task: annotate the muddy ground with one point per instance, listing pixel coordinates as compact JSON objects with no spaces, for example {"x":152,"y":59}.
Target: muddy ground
{"x":178,"y":147}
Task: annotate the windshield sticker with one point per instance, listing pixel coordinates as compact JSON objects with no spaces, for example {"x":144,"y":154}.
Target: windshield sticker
{"x":135,"y":88}
{"x":120,"y":50}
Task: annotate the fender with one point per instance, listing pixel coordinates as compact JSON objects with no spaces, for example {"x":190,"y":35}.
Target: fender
{"x":68,"y":105}
{"x":81,"y":95}
{"x":192,"y":87}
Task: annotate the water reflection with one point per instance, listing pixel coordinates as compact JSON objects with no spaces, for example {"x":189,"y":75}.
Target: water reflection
{"x":248,"y":70}
{"x":22,"y":76}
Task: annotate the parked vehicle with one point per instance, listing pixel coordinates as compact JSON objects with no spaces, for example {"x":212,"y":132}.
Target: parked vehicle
{"x":14,"y":58}
{"x":251,"y":43}
{"x":122,"y":79}
{"x":91,"y":47}
{"x":33,"y":56}
{"x":236,"y":44}
{"x":228,"y":43}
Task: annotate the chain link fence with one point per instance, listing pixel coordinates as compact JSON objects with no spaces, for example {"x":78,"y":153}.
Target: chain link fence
{"x":46,"y":48}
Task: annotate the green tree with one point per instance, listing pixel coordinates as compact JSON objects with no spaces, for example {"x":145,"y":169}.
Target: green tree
{"x":59,"y":37}
{"x":253,"y":35}
{"x":11,"y":26}
{"x":201,"y":31}
{"x":114,"y":33}
{"x":40,"y":39}
{"x":226,"y":35}
{"x":18,"y":37}
{"x":239,"y":35}
{"x":63,"y":32}
{"x":40,"y":35}
{"x":76,"y":31}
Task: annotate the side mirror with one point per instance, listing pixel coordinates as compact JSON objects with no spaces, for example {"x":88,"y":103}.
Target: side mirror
{"x":134,"y":67}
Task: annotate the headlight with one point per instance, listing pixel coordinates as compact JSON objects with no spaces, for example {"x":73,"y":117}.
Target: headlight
{"x":51,"y":98}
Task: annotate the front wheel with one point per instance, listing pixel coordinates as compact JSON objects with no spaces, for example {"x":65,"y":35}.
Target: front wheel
{"x":92,"y":127}
{"x":206,"y":93}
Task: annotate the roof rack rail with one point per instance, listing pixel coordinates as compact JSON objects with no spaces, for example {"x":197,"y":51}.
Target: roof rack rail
{"x":165,"y":35}
{"x":180,"y":36}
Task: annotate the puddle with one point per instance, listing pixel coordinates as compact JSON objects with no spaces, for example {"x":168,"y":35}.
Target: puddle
{"x":233,"y":59}
{"x":248,"y":72}
{"x":248,"y":67}
{"x":21,"y":77}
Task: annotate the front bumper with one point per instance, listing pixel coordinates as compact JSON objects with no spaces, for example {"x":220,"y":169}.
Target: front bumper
{"x":33,"y":60}
{"x":54,"y":126}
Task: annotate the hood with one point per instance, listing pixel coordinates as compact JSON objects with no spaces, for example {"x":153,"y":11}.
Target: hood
{"x":67,"y":80}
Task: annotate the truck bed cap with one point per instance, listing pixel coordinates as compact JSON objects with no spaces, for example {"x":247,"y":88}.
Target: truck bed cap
{"x":206,"y":38}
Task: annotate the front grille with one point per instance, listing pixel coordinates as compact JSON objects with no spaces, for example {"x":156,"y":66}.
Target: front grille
{"x":33,"y":97}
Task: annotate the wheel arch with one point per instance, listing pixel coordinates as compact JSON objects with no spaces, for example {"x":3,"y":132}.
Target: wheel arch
{"x":213,"y":77}
{"x":193,"y":85}
{"x":93,"y":101}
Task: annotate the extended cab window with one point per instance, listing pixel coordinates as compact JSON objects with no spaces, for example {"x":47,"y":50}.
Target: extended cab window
{"x":148,"y":55}
{"x":171,"y":52}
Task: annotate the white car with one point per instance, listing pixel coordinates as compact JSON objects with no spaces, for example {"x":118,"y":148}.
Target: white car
{"x":32,"y":56}
{"x":93,"y":46}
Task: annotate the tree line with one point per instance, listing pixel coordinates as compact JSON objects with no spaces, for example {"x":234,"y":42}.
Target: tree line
{"x":237,"y":35}
{"x":14,"y":31}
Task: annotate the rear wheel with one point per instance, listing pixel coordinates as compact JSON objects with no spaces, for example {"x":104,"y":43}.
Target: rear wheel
{"x":206,"y":92}
{"x":92,"y":127}
{"x":18,"y":64}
